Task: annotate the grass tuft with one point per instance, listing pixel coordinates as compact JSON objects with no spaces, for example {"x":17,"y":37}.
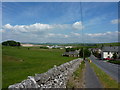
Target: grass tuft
{"x":76,"y":80}
{"x":78,"y":73}
{"x":114,"y":61}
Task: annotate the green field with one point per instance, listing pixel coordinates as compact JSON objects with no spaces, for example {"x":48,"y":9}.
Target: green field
{"x":18,"y":63}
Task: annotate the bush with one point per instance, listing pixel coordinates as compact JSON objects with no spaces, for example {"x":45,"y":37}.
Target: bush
{"x":114,"y":55}
{"x":114,"y":61}
{"x":71,"y":49}
{"x":96,"y":54}
{"x":44,"y":47}
{"x":11,"y":43}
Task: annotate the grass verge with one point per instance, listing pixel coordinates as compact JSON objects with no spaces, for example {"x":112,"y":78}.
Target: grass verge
{"x":76,"y":80}
{"x":114,"y":61}
{"x":105,"y":79}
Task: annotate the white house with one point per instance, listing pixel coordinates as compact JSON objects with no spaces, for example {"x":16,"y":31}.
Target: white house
{"x":107,"y":52}
{"x":68,"y":46}
{"x":96,"y":50}
{"x":55,"y":46}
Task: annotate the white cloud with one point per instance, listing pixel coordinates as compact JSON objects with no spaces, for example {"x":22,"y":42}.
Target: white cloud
{"x":75,"y":34}
{"x":78,"y":25}
{"x":61,"y":26}
{"x":51,"y":33}
{"x":42,"y":29}
{"x":38,"y":27}
{"x":62,"y":38}
{"x":115,"y":21}
{"x":57,"y":35}
{"x":66,"y":36}
{"x":8,"y":26}
{"x":28,"y":28}
{"x":96,"y":34}
{"x":102,"y":34}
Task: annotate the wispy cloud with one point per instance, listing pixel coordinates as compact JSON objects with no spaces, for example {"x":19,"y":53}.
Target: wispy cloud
{"x":75,"y":34}
{"x":56,"y":35}
{"x":62,"y":38}
{"x":115,"y":21}
{"x":102,"y":34}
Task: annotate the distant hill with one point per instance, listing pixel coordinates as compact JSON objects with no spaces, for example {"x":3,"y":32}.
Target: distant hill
{"x":109,"y":44}
{"x":77,"y":44}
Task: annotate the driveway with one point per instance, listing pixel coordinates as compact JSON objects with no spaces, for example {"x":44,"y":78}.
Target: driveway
{"x":109,"y":68}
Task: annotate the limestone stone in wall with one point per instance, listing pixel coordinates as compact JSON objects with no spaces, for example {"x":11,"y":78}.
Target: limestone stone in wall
{"x":54,"y":78}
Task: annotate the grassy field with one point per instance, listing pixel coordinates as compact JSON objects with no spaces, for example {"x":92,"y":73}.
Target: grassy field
{"x":18,"y":63}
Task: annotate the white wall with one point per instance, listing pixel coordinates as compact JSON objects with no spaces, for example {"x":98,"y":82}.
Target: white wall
{"x":105,"y":54}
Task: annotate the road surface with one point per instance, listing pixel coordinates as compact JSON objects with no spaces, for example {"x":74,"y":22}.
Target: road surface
{"x":91,"y":80}
{"x":109,"y":68}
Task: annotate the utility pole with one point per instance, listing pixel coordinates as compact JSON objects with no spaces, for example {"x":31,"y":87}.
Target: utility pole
{"x":82,"y":28}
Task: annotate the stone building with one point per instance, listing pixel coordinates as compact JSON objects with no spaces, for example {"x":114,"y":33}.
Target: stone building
{"x":71,"y":54}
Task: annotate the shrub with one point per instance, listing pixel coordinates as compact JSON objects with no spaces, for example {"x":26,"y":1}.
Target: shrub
{"x":71,"y":49}
{"x":114,"y":55}
{"x":44,"y":47}
{"x":11,"y":43}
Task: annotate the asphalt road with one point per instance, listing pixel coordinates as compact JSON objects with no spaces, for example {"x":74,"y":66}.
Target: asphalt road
{"x":91,"y":80}
{"x":111,"y":69}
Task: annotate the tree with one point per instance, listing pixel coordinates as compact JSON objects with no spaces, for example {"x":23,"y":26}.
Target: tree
{"x":96,"y":54}
{"x":84,"y":52}
{"x":70,"y":49}
{"x":18,"y":44}
{"x":99,"y":55}
{"x":81,"y":52}
{"x":11,"y":43}
{"x":114,"y":56}
{"x":44,"y":47}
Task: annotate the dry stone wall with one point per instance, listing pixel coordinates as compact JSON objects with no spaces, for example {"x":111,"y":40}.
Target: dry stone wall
{"x":56,"y":77}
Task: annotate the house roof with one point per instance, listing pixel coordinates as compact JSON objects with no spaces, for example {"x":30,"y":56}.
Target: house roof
{"x":111,"y":49}
{"x":71,"y":53}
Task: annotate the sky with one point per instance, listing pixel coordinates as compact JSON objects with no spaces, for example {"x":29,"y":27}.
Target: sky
{"x":60,"y":22}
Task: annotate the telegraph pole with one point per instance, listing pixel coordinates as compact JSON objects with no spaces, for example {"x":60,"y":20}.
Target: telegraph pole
{"x":82,"y":28}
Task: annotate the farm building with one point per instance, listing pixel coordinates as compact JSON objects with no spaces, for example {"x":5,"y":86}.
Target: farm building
{"x":71,"y":54}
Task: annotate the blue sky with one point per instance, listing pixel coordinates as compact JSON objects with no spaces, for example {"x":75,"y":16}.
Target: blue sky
{"x":60,"y":22}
